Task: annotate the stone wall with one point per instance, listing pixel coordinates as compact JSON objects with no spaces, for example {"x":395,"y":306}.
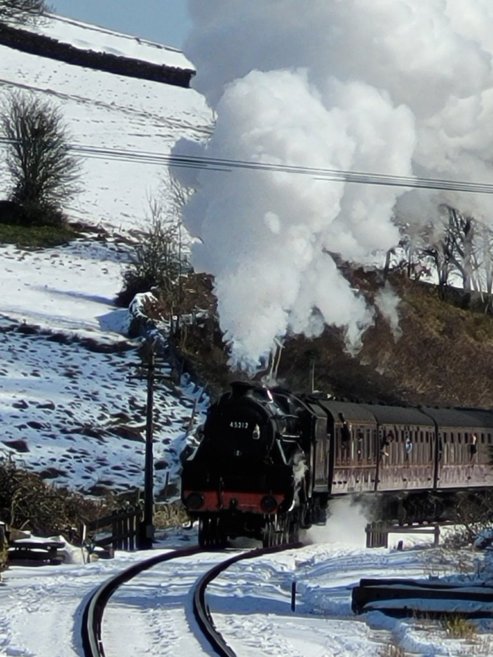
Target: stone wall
{"x":44,"y":46}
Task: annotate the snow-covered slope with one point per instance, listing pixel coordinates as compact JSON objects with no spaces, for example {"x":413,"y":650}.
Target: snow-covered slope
{"x":115,"y":113}
{"x":99,"y":39}
{"x":68,"y":406}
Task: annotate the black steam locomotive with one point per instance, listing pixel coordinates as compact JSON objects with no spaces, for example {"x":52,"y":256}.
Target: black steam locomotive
{"x":269,"y":461}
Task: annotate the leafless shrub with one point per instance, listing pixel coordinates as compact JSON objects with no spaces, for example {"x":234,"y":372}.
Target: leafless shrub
{"x":160,"y":259}
{"x":443,"y":562}
{"x":44,"y":174}
{"x":28,"y":503}
{"x":172,"y":514}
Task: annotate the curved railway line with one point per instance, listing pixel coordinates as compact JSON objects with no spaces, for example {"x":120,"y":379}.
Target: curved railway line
{"x":96,"y":603}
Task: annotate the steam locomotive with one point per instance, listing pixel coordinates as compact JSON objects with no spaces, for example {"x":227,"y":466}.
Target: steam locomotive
{"x":269,"y":461}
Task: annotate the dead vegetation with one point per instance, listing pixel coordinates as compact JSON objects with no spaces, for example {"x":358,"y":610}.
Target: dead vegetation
{"x":443,"y":356}
{"x":28,"y":503}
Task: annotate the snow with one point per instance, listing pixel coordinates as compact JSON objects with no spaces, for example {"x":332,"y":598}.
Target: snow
{"x":67,"y":395}
{"x":111,"y":113}
{"x":99,"y":39}
{"x":250,"y":603}
{"x":71,"y":410}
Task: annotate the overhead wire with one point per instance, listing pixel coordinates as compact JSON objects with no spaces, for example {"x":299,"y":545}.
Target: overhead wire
{"x":225,"y":165}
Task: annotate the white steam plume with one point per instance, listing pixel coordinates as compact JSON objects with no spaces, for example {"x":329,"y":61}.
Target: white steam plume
{"x":381,"y":86}
{"x":345,"y":524}
{"x":387,"y":301}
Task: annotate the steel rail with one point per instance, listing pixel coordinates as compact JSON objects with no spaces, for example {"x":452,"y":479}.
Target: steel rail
{"x":94,"y":608}
{"x":200,"y":608}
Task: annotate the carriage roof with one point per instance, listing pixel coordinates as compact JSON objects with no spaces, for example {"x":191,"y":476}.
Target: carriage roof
{"x":461,"y":417}
{"x":375,"y":413}
{"x":404,"y":415}
{"x":351,"y":411}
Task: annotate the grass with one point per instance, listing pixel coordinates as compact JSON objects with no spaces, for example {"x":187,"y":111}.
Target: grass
{"x":459,"y":627}
{"x":391,"y":650}
{"x":461,"y":635}
{"x":36,"y":236}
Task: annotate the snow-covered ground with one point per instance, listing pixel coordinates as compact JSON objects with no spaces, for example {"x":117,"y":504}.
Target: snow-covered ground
{"x":250,"y":603}
{"x":113,"y":113}
{"x":70,"y":408}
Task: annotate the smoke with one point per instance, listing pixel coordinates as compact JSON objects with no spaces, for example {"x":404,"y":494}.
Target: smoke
{"x":387,"y":302}
{"x":397,"y":87}
{"x":346,"y":524}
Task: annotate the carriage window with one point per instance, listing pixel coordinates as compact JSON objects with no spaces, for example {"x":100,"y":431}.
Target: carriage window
{"x":360,"y":444}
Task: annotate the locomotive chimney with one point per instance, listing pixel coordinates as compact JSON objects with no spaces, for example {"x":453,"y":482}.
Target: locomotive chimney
{"x":240,"y":388}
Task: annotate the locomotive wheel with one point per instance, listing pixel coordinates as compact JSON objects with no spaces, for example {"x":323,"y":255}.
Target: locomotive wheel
{"x":268,"y":533}
{"x":212,"y":532}
{"x":294,"y":530}
{"x":220,"y":533}
{"x":272,"y":534}
{"x":285,"y":535}
{"x":305,"y":517}
{"x":280,"y":531}
{"x":204,"y":532}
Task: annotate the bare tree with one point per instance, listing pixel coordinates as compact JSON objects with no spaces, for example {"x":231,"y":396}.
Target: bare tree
{"x":21,"y":11}
{"x":437,"y":248}
{"x":159,"y":259}
{"x":484,"y":265}
{"x":460,"y":232}
{"x":449,"y":245}
{"x":45,"y":175}
{"x":409,"y":254}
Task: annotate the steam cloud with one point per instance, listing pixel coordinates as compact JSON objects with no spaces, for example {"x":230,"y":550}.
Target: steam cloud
{"x":397,"y":87}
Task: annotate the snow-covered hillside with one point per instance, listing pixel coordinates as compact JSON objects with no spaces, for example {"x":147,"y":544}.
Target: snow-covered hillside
{"x":99,"y":39}
{"x":114,"y":113}
{"x":68,"y":404}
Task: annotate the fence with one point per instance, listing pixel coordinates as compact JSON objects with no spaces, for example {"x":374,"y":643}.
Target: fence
{"x":377,"y":533}
{"x":118,"y":531}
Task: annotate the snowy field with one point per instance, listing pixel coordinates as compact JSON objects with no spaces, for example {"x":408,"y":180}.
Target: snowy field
{"x":250,"y":603}
{"x":70,"y":407}
{"x":113,"y":113}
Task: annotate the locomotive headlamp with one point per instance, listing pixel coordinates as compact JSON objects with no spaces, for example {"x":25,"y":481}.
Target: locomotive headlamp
{"x":194,"y":501}
{"x":268,"y":504}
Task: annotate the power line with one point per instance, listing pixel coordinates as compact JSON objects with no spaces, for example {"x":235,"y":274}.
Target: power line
{"x":224,"y":165}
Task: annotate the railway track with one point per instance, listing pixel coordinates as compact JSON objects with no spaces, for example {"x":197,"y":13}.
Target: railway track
{"x":96,"y":604}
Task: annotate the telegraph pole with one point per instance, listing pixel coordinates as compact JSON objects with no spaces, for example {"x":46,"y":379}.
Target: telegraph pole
{"x":149,"y":454}
{"x":146,"y":528}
